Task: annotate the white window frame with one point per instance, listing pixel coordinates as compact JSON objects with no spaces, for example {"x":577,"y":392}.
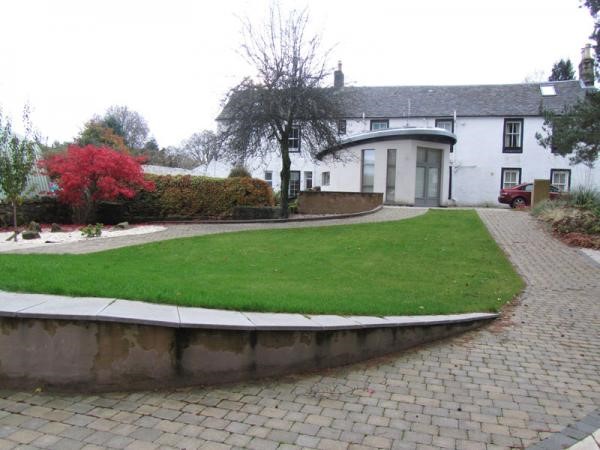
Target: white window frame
{"x":292,"y":193}
{"x":512,"y":137}
{"x":379,"y":124}
{"x":442,"y":123}
{"x":566,"y":185}
{"x":294,"y":140}
{"x":325,"y":178}
{"x":308,"y":176}
{"x":510,"y":171}
{"x":269,"y":177}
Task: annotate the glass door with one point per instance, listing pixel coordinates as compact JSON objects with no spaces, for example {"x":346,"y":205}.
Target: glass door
{"x":427,"y":179}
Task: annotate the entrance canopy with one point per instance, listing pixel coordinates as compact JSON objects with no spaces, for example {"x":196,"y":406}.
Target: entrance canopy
{"x":393,"y":134}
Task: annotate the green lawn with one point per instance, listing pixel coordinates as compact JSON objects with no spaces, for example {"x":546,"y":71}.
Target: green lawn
{"x":441,"y":262}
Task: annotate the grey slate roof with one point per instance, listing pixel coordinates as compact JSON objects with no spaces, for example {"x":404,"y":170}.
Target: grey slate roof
{"x":469,"y":100}
{"x":498,"y":100}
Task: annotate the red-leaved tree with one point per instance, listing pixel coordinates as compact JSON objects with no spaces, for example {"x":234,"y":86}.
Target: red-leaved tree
{"x":90,"y":174}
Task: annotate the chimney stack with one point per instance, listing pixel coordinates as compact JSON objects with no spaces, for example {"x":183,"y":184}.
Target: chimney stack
{"x":338,"y":77}
{"x":586,"y":66}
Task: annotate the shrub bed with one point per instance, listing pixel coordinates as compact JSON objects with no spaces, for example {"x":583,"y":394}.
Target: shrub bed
{"x":175,"y":198}
{"x":575,"y":218}
{"x":187,"y":198}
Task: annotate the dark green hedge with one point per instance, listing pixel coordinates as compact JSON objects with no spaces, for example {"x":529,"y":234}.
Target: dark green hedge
{"x":188,"y":198}
{"x":40,"y":209}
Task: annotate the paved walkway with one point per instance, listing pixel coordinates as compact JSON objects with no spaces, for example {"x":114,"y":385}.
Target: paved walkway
{"x":188,"y":230}
{"x":511,"y":385}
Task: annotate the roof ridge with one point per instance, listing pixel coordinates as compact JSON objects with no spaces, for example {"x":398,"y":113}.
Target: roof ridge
{"x":537,"y":83}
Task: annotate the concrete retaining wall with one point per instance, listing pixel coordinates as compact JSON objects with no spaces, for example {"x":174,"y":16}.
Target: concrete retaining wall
{"x":101,"y":355}
{"x":337,"y":202}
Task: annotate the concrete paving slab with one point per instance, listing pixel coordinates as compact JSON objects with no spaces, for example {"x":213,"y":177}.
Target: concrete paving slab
{"x":11,"y":303}
{"x":438,"y":319}
{"x":593,"y":254}
{"x":140,"y":312}
{"x":213,"y":318}
{"x":587,"y":444}
{"x":370,"y":322}
{"x":332,"y":322}
{"x":279,"y":321}
{"x":75,"y":308}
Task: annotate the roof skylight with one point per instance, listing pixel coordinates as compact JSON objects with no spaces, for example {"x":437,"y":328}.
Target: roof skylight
{"x":548,"y":90}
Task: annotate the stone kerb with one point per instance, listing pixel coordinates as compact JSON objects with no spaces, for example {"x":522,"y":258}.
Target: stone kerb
{"x":106,"y":343}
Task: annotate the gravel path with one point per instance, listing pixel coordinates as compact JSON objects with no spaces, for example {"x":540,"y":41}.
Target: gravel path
{"x":511,"y":385}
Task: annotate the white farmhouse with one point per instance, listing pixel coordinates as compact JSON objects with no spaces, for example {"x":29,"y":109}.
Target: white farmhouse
{"x":439,"y":145}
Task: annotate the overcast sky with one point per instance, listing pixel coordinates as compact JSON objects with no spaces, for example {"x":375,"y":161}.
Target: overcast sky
{"x":174,"y":60}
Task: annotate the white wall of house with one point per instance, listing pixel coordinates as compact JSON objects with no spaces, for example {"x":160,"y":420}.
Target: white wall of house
{"x":301,"y":162}
{"x":477,"y":161}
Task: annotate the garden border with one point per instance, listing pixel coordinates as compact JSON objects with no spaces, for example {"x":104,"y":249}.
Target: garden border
{"x":283,"y":220}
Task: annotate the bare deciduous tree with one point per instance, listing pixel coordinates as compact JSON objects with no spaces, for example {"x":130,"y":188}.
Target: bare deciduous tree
{"x":129,"y":124}
{"x":287,"y":94}
{"x":202,"y":148}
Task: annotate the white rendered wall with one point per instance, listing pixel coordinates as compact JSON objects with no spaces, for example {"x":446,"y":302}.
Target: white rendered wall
{"x":477,"y":161}
{"x":300,"y":161}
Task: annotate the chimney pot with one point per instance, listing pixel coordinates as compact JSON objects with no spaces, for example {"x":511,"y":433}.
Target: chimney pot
{"x":338,"y":76}
{"x":586,"y":66}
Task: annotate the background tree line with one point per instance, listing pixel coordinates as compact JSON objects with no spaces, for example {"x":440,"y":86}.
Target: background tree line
{"x":123,"y":129}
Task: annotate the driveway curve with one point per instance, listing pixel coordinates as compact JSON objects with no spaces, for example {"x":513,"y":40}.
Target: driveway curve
{"x":511,"y":385}
{"x":174,"y":231}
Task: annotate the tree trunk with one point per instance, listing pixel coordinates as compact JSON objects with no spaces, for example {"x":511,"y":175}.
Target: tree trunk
{"x":285,"y":180}
{"x":85,"y":214}
{"x":15,"y":229}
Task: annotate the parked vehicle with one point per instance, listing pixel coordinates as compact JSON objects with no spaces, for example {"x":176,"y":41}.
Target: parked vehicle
{"x":520,"y":195}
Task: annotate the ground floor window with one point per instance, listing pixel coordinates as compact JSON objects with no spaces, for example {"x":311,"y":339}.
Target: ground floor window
{"x":294,"y":183}
{"x":390,"y":183}
{"x":307,"y":180}
{"x":561,"y":178}
{"x":269,"y":177}
{"x":325,"y":179}
{"x":511,"y":177}
{"x":368,"y":170}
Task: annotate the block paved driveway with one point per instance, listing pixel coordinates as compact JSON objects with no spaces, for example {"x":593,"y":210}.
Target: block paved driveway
{"x":509,"y":385}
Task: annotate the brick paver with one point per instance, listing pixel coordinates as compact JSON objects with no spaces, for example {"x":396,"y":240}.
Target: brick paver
{"x":513,"y":384}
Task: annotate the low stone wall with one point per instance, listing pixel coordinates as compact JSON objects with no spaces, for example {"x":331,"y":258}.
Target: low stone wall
{"x":337,"y":202}
{"x":104,"y":355}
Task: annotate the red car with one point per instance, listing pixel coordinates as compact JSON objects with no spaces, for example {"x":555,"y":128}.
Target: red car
{"x":521,"y":195}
